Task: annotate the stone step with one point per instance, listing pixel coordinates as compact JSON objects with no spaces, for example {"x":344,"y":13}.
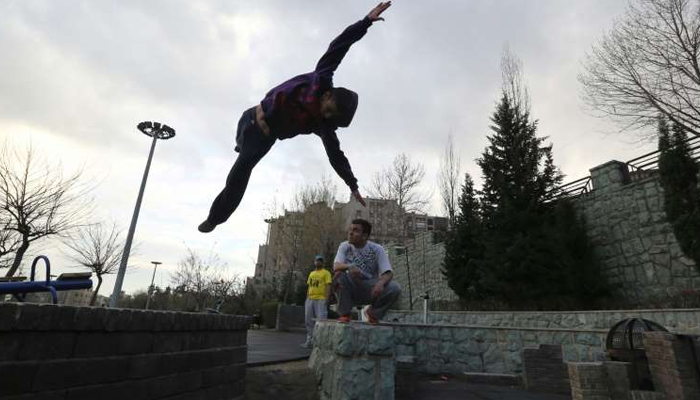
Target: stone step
{"x":490,"y":379}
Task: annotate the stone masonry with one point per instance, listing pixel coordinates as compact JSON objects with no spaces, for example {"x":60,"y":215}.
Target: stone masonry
{"x":74,"y":353}
{"x":628,"y":227}
{"x":626,"y":223}
{"x":354,"y":361}
{"x":425,"y":257}
{"x":545,"y":371}
{"x":677,"y":320}
{"x":672,"y":363}
{"x":610,"y":380}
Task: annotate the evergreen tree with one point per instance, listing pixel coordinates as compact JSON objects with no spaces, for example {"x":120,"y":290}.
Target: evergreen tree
{"x":463,"y":248}
{"x":510,"y":244}
{"x":679,"y":179}
{"x":518,"y":171}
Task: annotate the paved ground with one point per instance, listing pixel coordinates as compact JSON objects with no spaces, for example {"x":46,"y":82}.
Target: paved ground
{"x":457,"y":390}
{"x":267,"y":346}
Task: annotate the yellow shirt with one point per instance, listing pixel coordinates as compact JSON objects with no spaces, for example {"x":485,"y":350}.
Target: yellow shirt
{"x":318,"y":279}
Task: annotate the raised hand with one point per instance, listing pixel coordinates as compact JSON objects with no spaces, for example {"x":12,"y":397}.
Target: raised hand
{"x":374,"y":15}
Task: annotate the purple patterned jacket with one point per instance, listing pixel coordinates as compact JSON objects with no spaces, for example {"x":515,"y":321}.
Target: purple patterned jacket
{"x":293,"y":108}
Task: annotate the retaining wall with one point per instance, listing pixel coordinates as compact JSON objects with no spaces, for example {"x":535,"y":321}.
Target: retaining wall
{"x":72,"y":353}
{"x":458,"y":349}
{"x":677,"y":320}
{"x":627,"y":226}
{"x":632,"y":238}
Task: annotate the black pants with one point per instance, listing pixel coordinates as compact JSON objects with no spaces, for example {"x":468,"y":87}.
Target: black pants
{"x":252,"y":145}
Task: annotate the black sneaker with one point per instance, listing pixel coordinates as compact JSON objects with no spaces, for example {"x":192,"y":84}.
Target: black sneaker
{"x":206,"y":226}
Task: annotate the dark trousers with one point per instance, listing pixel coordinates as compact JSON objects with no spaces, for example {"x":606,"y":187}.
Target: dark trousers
{"x":352,"y":292}
{"x":252,"y":145}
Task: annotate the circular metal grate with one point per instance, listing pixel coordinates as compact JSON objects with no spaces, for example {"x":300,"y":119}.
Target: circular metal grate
{"x":627,"y":334}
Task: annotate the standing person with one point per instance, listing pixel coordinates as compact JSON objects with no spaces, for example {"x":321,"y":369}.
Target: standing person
{"x":319,"y":282}
{"x":305,"y":104}
{"x":363,"y":275}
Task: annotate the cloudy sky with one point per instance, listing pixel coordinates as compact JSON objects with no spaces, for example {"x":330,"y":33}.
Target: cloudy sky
{"x":77,"y":76}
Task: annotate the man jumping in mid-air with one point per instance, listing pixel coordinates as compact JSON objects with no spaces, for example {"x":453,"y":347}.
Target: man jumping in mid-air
{"x":305,"y":104}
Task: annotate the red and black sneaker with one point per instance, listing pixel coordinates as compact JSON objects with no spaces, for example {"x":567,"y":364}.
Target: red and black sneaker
{"x":344,"y":319}
{"x":369,"y":315}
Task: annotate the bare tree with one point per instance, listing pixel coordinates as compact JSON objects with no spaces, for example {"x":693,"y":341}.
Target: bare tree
{"x":197,"y":277}
{"x":648,"y":65}
{"x":401,"y":182}
{"x":9,"y":240}
{"x":310,"y":227}
{"x":98,"y":249}
{"x":513,"y":85}
{"x":448,"y":180}
{"x":38,"y":200}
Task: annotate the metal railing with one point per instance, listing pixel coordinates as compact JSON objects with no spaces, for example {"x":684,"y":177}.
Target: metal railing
{"x":648,"y":162}
{"x":572,"y":189}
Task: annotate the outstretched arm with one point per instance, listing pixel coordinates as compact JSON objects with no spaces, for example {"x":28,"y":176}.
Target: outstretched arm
{"x":339,"y":46}
{"x":340,"y":163}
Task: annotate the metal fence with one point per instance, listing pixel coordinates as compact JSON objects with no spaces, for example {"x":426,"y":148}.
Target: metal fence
{"x":639,"y":168}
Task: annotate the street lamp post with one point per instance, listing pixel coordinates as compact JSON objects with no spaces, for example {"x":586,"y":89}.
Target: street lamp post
{"x":153,"y":278}
{"x":156,"y":130}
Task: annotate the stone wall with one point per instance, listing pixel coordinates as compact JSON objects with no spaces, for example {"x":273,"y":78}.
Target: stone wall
{"x":626,"y":223}
{"x":673,"y":364}
{"x":677,"y":320}
{"x":71,"y":353}
{"x":425,"y":256}
{"x":458,"y":349}
{"x":628,"y":227}
{"x":544,"y":370}
{"x":354,"y":361}
{"x":357,"y":361}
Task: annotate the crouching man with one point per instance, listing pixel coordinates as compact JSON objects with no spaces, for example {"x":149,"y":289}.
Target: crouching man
{"x":363,"y":275}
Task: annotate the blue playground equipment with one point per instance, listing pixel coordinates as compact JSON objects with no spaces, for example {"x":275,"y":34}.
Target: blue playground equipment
{"x":19,"y":289}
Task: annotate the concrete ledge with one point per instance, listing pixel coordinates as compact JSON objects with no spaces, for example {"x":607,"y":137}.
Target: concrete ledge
{"x":50,"y":317}
{"x":678,"y":320}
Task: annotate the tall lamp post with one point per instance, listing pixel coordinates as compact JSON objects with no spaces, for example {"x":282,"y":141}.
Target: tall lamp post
{"x":153,"y":278}
{"x":156,"y":130}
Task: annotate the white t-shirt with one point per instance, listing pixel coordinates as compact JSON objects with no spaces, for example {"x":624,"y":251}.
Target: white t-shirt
{"x":371,"y":259}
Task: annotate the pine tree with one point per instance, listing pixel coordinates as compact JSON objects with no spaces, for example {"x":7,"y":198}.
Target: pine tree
{"x":679,"y":179}
{"x":463,"y":248}
{"x":518,"y":171}
{"x":511,"y":244}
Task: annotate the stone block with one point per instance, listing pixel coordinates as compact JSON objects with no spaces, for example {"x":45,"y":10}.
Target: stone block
{"x":169,"y":342}
{"x":45,"y":345}
{"x":17,"y":378}
{"x":29,"y":317}
{"x":144,"y":366}
{"x":64,"y":374}
{"x":175,"y":384}
{"x":53,"y":395}
{"x":10,"y":343}
{"x":381,"y":341}
{"x":132,"y":390}
{"x":9,"y":316}
{"x":646,"y":395}
{"x":95,"y":344}
{"x":622,"y":378}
